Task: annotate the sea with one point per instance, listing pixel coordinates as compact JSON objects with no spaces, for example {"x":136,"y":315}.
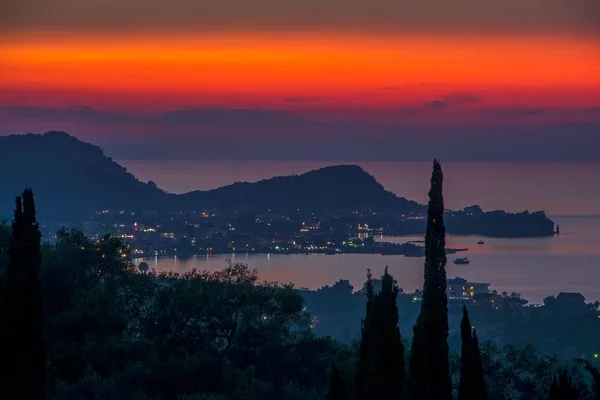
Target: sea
{"x":533,"y":267}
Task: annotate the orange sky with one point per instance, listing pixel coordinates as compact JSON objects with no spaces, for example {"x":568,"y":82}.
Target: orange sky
{"x":231,"y":68}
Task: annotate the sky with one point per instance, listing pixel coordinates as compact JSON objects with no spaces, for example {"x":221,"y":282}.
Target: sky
{"x":382,"y":80}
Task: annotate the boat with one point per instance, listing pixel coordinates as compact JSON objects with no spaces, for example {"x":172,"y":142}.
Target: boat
{"x":480,"y":242}
{"x":462,"y":261}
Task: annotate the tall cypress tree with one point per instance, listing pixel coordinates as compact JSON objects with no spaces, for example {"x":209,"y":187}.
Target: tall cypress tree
{"x":337,"y":387}
{"x":429,"y":370}
{"x":363,"y":379}
{"x":466,"y":385}
{"x":23,"y":358}
{"x":380,"y":368}
{"x":472,"y":383}
{"x":479,"y":380}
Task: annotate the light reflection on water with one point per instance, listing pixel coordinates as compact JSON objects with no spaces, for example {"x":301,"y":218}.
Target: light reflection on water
{"x":535,"y":267}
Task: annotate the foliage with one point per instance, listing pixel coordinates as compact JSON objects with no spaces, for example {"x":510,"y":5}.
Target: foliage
{"x":23,"y":358}
{"x":5,"y":234}
{"x":380,"y":368}
{"x":563,"y":389}
{"x":595,"y":379}
{"x":121,"y":334}
{"x":472,"y":383}
{"x":337,"y":387}
{"x":112,"y":332}
{"x":429,"y":375}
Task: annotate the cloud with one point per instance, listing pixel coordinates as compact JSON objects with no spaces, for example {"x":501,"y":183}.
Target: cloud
{"x":450,"y":100}
{"x":564,"y":142}
{"x":519,"y":112}
{"x":391,"y":88}
{"x":72,"y":113}
{"x":230,"y":123}
{"x":303,"y":99}
{"x":459,"y":98}
{"x":225,"y":133}
{"x":436,"y":105}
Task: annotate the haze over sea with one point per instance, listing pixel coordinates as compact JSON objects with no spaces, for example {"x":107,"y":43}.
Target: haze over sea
{"x":535,"y":267}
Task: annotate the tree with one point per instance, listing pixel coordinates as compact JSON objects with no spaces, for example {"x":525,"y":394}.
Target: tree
{"x":595,"y":379}
{"x":380,"y":368}
{"x":480,"y":388}
{"x":466,"y":386}
{"x":337,"y":387}
{"x":23,"y":360}
{"x":472,"y":383}
{"x":429,"y":370}
{"x":563,"y":388}
{"x":363,"y":369}
{"x":4,"y":242}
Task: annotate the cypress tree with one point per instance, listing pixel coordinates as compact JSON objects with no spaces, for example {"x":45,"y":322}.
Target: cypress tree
{"x":337,"y":387}
{"x":472,"y":382}
{"x":563,"y":389}
{"x":466,"y":387}
{"x":23,"y":358}
{"x":429,"y":370}
{"x":363,"y":367}
{"x":479,"y":379}
{"x":380,"y":368}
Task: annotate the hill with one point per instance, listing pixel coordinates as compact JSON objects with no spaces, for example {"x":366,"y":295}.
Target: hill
{"x":329,"y":189}
{"x":73,"y":179}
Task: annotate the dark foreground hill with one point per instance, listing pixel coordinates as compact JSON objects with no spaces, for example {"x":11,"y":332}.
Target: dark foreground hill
{"x":73,"y":179}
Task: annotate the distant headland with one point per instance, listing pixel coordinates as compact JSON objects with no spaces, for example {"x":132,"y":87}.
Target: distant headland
{"x":74,"y":181}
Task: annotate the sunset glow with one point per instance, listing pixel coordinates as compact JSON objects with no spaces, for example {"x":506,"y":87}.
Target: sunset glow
{"x":329,"y":66}
{"x":380,"y":79}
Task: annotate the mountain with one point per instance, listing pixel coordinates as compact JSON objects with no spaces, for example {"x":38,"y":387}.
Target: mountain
{"x":328,"y":189}
{"x":72,"y":179}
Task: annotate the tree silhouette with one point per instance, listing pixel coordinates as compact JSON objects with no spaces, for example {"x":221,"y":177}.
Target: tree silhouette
{"x":472,"y":384}
{"x":429,"y":375}
{"x":23,"y":360}
{"x":337,"y":387}
{"x":479,"y":379}
{"x":563,"y":389}
{"x":380,"y":368}
{"x":595,"y":379}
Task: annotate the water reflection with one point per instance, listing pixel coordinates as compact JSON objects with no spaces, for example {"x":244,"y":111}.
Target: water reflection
{"x":536,"y":267}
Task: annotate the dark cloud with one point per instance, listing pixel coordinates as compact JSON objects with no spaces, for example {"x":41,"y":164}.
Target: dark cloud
{"x":234,"y":121}
{"x":204,"y":116}
{"x":391,"y":88}
{"x":303,"y":99}
{"x":518,"y":112}
{"x":72,"y":113}
{"x":564,"y":142}
{"x":459,"y":98}
{"x":222,"y":133}
{"x":451,"y":100}
{"x":436,"y":105}
{"x":221,"y":116}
